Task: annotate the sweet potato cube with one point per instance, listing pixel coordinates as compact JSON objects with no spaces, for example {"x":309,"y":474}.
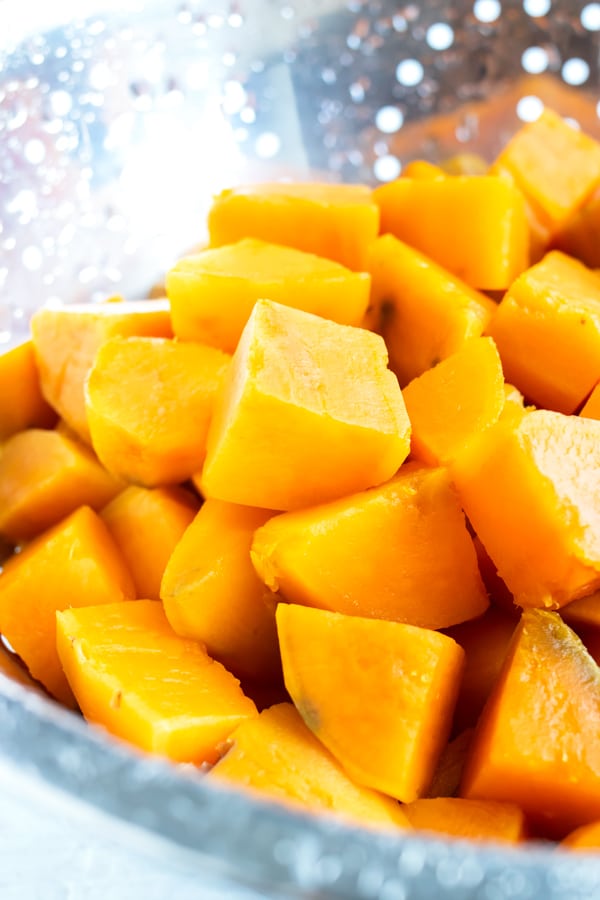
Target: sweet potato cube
{"x":66,"y":341}
{"x":478,"y":820}
{"x":586,"y":837}
{"x":337,"y":221}
{"x":146,"y":524}
{"x":73,"y":564}
{"x":400,"y":551}
{"x":380,"y":695}
{"x":213,"y":293}
{"x":154,"y":432}
{"x":473,"y":225}
{"x":276,"y":753}
{"x":133,"y":675}
{"x":457,"y":399}
{"x":308,"y":412}
{"x":424,"y":313}
{"x":547,"y":330}
{"x":536,"y":743}
{"x":591,"y":408}
{"x":211,"y":592}
{"x":21,"y":402}
{"x":531,"y":490}
{"x":45,"y":476}
{"x":554,"y":165}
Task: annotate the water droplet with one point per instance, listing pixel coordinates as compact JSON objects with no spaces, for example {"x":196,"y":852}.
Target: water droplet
{"x":535,"y":60}
{"x":267,"y":145}
{"x":487,"y":11}
{"x":389,"y":119}
{"x":590,"y":17}
{"x":536,"y":8}
{"x":409,"y":72}
{"x":386,"y":168}
{"x":440,"y":36}
{"x":575,"y":71}
{"x":529,"y":108}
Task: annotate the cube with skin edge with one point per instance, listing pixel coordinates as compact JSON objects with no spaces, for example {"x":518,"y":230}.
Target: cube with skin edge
{"x":400,"y":551}
{"x":133,"y":675}
{"x":66,"y":340}
{"x":424,"y":313}
{"x":380,"y":695}
{"x":536,"y":743}
{"x":153,"y":432}
{"x":337,"y":221}
{"x":308,"y":412}
{"x":276,"y":753}
{"x":146,"y":525}
{"x":213,"y":293}
{"x":75,"y":563}
{"x":531,"y":490}
{"x":45,"y":476}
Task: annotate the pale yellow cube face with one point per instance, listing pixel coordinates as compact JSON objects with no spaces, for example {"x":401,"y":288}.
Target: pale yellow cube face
{"x":213,"y":293}
{"x":308,"y":412}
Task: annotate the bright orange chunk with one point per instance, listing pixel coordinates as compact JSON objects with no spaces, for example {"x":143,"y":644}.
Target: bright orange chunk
{"x":473,"y":225}
{"x":536,"y":744}
{"x":547,"y":330}
{"x":66,"y":341}
{"x":586,"y":837}
{"x":21,"y":402}
{"x":400,"y":551}
{"x":73,"y":564}
{"x":424,"y":313}
{"x":146,"y":525}
{"x":133,"y":675}
{"x":554,"y":165}
{"x":45,"y":476}
{"x":591,"y":409}
{"x":309,"y":411}
{"x":477,"y":820}
{"x":380,"y":695}
{"x":531,"y":490}
{"x":211,"y":592}
{"x":212,"y":294}
{"x":580,"y":234}
{"x":275,"y":753}
{"x":456,"y":400}
{"x":337,"y":221}
{"x":153,"y":432}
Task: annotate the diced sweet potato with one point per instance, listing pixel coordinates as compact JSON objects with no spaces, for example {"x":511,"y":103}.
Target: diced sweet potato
{"x":380,"y":695}
{"x":479,"y":820}
{"x":21,"y":402}
{"x":473,"y":225}
{"x":45,"y":476}
{"x":277,"y":754}
{"x":556,"y":166}
{"x":579,"y":236}
{"x":536,"y":744}
{"x":591,"y":408}
{"x":337,"y":221}
{"x":586,"y":837}
{"x":133,"y":675}
{"x":532,"y":493}
{"x":73,"y":564}
{"x":146,"y":525}
{"x":211,"y":592}
{"x":286,"y":409}
{"x":66,"y":341}
{"x":212,"y":294}
{"x":424,"y":313}
{"x":547,"y":330}
{"x":400,"y":552}
{"x":154,"y":432}
{"x":456,"y":400}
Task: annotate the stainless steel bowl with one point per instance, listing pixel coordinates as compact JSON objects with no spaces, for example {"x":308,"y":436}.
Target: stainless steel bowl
{"x":118,"y":121}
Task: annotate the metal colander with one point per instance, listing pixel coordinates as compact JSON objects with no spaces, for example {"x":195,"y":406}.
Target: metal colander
{"x":118,"y":122}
